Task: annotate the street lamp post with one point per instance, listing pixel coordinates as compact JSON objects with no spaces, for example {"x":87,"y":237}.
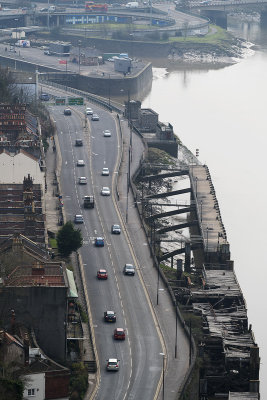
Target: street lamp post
{"x":176,"y":321}
{"x":79,"y":45}
{"x":201,"y":204}
{"x":158,"y":285}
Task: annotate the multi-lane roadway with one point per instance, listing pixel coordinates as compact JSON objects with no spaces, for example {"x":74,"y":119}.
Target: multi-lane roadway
{"x":140,"y":361}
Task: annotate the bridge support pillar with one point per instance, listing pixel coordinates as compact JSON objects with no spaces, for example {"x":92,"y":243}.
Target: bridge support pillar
{"x":217,"y":17}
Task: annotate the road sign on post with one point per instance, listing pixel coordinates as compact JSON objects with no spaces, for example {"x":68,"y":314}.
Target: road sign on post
{"x":75,"y":101}
{"x":60,"y":101}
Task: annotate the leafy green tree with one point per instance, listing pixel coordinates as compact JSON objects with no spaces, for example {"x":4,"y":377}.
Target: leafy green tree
{"x":69,"y":239}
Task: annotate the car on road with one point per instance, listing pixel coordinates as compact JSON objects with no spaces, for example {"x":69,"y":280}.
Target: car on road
{"x":99,"y":242}
{"x":105,"y":191}
{"x":129,"y":269}
{"x":78,"y":219}
{"x":95,"y":117}
{"x":107,"y":133}
{"x":82,"y":180}
{"x":78,"y":142}
{"x":67,"y":111}
{"x":89,"y":111}
{"x":102,"y":274}
{"x":44,"y":97}
{"x":110,"y":316}
{"x":113,"y":364}
{"x":119,"y":334}
{"x":116,"y":229}
{"x":47,"y":53}
{"x":80,"y":163}
{"x":105,"y":171}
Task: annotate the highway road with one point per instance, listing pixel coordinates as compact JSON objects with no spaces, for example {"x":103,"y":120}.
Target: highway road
{"x":140,"y":359}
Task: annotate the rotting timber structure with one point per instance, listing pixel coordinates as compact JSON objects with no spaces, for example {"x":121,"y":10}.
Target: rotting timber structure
{"x":206,"y":288}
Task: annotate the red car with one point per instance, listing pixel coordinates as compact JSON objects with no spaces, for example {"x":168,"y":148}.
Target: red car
{"x":102,"y":274}
{"x":119,"y":334}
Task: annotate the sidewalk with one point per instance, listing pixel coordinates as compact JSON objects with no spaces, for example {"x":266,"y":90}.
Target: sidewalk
{"x":176,"y":367}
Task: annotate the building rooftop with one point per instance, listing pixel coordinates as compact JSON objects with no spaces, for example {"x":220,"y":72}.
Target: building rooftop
{"x":49,"y":274}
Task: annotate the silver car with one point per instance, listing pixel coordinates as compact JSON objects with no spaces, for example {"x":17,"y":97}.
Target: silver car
{"x":113,"y":364}
{"x":105,"y":171}
{"x":105,"y":191}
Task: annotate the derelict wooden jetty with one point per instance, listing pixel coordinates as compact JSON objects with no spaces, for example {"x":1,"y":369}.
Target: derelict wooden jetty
{"x":206,"y":284}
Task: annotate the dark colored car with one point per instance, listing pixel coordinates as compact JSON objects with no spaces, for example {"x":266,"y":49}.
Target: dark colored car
{"x":78,"y":142}
{"x":110,"y":316}
{"x":129,"y":269}
{"x":116,"y":229}
{"x":67,"y":111}
{"x":99,"y":242}
{"x":119,"y":334}
{"x":102,"y":274}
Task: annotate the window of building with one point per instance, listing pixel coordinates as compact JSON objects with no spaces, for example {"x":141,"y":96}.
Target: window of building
{"x":31,"y":392}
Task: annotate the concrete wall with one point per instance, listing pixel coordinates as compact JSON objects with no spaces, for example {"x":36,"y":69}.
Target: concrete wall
{"x":171,"y":147}
{"x":138,"y":85}
{"x":44,"y":309}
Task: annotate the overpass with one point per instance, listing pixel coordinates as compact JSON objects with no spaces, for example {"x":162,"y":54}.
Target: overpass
{"x":217,"y":11}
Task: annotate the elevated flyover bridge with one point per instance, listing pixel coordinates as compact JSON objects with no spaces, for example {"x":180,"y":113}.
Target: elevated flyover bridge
{"x":217,"y":11}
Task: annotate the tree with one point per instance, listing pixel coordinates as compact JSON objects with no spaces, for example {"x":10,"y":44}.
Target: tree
{"x":69,"y":239}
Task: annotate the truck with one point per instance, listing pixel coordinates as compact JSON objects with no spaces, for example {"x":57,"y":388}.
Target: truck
{"x":89,"y":201}
{"x":23,"y":43}
{"x":59,"y":49}
{"x":132,"y":4}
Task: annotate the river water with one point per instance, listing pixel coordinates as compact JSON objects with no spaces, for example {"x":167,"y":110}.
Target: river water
{"x":222,"y":112}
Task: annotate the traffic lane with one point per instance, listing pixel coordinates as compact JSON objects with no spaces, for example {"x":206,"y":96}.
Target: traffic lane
{"x":145,"y":344}
{"x":123,"y":256}
{"x":65,"y":127}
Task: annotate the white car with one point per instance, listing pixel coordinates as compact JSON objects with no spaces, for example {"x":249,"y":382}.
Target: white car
{"x":105,"y":191}
{"x":113,"y":364}
{"x":107,"y":133}
{"x":89,"y":111}
{"x":105,"y":171}
{"x":95,"y":117}
{"x":80,"y":163}
{"x":82,"y":180}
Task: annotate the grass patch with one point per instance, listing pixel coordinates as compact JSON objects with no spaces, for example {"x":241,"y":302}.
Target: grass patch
{"x":53,"y":243}
{"x":170,"y":273}
{"x":217,"y":37}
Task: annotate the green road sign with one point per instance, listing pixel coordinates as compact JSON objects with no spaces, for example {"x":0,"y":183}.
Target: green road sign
{"x":75,"y":101}
{"x":60,"y":101}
